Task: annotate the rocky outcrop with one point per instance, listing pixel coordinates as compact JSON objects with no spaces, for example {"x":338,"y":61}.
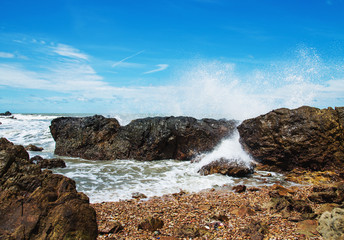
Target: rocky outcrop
{"x":100,"y":138}
{"x":305,"y":137}
{"x":37,"y":204}
{"x":229,"y":167}
{"x":7,"y":113}
{"x":331,"y":224}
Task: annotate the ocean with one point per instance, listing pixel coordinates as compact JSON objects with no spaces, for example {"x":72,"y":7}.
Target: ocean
{"x":114,"y":180}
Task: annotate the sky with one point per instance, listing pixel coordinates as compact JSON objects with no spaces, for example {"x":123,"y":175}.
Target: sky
{"x":230,"y":58}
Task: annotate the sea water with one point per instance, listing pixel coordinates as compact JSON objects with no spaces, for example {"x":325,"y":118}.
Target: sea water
{"x":118,"y":179}
{"x":203,"y":89}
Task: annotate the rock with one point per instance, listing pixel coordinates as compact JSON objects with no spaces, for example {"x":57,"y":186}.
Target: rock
{"x":7,"y":113}
{"x":190,"y":231}
{"x":239,"y":188}
{"x":331,"y":224}
{"x":256,"y":230}
{"x":305,"y":137}
{"x":243,"y":211}
{"x":138,"y":195}
{"x":110,"y":227}
{"x":37,"y":204}
{"x":34,"y":148}
{"x":234,"y":168}
{"x":151,"y":224}
{"x":48,"y":163}
{"x":308,"y":228}
{"x":333,"y":193}
{"x":100,"y":138}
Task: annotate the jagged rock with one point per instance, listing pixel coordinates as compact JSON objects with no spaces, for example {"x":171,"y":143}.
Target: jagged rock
{"x":305,"y":137}
{"x":48,"y":163}
{"x":256,"y":230}
{"x":233,"y":167}
{"x":331,"y":224}
{"x":333,"y":193}
{"x":151,"y":224}
{"x":34,"y":148}
{"x":7,"y":113}
{"x":190,"y":231}
{"x":101,"y":138}
{"x":37,"y":204}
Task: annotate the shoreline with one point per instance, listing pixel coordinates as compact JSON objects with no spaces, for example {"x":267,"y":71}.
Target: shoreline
{"x":209,"y":214}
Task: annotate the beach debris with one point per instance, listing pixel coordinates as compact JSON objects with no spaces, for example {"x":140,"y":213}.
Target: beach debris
{"x":110,"y":227}
{"x":151,"y":224}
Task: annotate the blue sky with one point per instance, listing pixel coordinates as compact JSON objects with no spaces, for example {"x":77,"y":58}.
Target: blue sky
{"x":191,"y":57}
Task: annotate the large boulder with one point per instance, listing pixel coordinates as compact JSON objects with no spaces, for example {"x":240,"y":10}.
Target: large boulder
{"x":305,"y":137}
{"x":37,"y":204}
{"x":100,"y":138}
{"x":229,"y":167}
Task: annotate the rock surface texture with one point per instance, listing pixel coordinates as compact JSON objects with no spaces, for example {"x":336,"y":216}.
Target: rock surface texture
{"x":305,"y":137}
{"x":37,"y":204}
{"x":100,"y":138}
{"x":229,"y":167}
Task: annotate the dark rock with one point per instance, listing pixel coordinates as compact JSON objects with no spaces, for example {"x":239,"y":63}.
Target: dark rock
{"x":234,"y":168}
{"x":151,"y":224}
{"x":333,"y":193}
{"x":239,"y":188}
{"x":305,"y":137}
{"x":331,"y":224}
{"x":34,"y":148}
{"x":48,"y":163}
{"x":7,"y":113}
{"x":101,"y":138}
{"x":37,"y":204}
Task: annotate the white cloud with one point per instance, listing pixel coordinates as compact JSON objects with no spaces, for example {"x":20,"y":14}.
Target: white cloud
{"x":161,"y":67}
{"x":6,"y":55}
{"x":68,"y":51}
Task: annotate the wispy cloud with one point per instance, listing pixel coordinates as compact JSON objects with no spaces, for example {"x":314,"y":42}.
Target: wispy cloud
{"x":126,"y":58}
{"x":161,"y":67}
{"x":6,"y":55}
{"x":68,"y":51}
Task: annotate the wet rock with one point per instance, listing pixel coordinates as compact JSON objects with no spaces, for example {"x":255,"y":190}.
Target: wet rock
{"x":331,"y":224}
{"x":101,"y":138}
{"x":34,"y":148}
{"x":48,"y":163}
{"x":305,"y":137}
{"x":138,"y":195}
{"x":7,"y":113}
{"x":239,"y":188}
{"x":333,"y":193}
{"x":37,"y":204}
{"x":151,"y":224}
{"x":110,"y":227}
{"x":232,"y":167}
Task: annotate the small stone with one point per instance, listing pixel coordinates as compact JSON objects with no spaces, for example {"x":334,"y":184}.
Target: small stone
{"x":239,"y":188}
{"x":33,"y":148}
{"x":151,"y":224}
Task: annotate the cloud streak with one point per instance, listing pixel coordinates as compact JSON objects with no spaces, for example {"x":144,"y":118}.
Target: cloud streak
{"x":6,"y":55}
{"x":68,"y":51}
{"x":126,"y":58}
{"x":161,"y":67}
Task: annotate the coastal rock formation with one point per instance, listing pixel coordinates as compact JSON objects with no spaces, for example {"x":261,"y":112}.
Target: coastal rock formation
{"x":37,"y":204}
{"x":48,"y":163}
{"x":233,"y":167}
{"x":331,"y":224}
{"x":305,"y":137}
{"x":7,"y":113}
{"x":100,"y":138}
